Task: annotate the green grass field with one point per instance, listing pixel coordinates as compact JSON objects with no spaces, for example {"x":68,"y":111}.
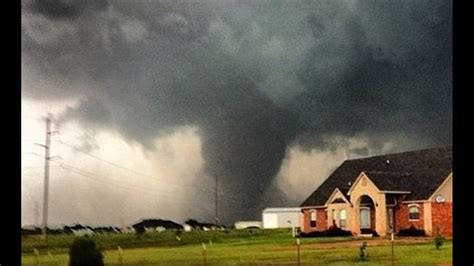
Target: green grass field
{"x":236,"y":247}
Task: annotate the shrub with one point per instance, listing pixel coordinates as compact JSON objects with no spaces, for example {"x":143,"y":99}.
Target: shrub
{"x":178,"y":234}
{"x":363,"y":256}
{"x":438,"y":239}
{"x":34,"y":231}
{"x":368,"y":231}
{"x":412,"y":231}
{"x":332,"y":231}
{"x":336,"y":231}
{"x":84,"y":251}
{"x":139,"y":230}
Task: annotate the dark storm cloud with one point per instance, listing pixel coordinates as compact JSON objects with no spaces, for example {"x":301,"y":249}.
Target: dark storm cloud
{"x":254,"y":77}
{"x":389,"y":72}
{"x":66,"y":9}
{"x":91,"y":111}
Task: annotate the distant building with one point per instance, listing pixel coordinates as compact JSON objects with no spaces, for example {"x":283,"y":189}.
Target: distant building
{"x":195,"y":225}
{"x":281,"y":217}
{"x":248,"y":224}
{"x":187,"y":227}
{"x":128,"y":230}
{"x":151,"y":225}
{"x":83,"y":232}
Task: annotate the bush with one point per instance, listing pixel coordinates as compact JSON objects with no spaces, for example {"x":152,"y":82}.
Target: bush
{"x":34,"y":231}
{"x":412,"y":231}
{"x":336,"y":231}
{"x":84,"y":251}
{"x":139,"y":230}
{"x":333,"y":231}
{"x":368,"y":231}
{"x":363,"y":256}
{"x":439,"y":239}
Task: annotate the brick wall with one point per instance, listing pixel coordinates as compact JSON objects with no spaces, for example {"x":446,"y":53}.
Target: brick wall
{"x":401,"y":217}
{"x":321,"y":221}
{"x":442,"y":217}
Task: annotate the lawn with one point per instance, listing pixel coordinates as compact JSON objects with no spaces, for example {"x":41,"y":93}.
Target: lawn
{"x":259,"y":247}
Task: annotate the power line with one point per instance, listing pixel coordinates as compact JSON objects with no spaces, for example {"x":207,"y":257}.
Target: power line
{"x":100,"y":159}
{"x":228,"y":194}
{"x":92,"y":177}
{"x":30,"y":140}
{"x":128,"y":169}
{"x":34,"y":167}
{"x":97,"y":178}
{"x":206,"y":190}
{"x":85,"y":137}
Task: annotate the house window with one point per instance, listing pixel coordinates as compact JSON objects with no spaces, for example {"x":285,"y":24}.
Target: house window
{"x":312,"y":222}
{"x":414,"y":212}
{"x":333,"y":217}
{"x":342,"y":219}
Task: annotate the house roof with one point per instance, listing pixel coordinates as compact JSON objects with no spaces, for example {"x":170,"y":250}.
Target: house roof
{"x":420,"y":172}
{"x":344,"y":192}
{"x":158,"y":222}
{"x":393,"y":181}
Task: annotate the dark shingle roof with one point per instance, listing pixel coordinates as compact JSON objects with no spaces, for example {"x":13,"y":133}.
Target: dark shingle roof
{"x":344,"y":191}
{"x":394,"y":181}
{"x":420,"y":172}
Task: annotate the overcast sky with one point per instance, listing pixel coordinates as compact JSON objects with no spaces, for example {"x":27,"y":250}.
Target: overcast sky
{"x":154,"y":99}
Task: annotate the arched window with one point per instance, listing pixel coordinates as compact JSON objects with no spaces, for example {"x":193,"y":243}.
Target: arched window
{"x":312,"y":222}
{"x":342,"y":219}
{"x":414,"y":212}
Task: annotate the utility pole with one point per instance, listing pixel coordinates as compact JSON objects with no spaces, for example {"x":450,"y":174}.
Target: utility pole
{"x":298,"y":262}
{"x":46,"y":177}
{"x":216,"y":189}
{"x":393,"y":254}
{"x":204,"y":254}
{"x":36,"y":214}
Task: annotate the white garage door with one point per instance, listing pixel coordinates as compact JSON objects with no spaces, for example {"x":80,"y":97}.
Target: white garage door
{"x":270,"y":220}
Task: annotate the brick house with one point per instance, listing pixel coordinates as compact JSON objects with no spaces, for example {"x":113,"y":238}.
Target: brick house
{"x":385,"y":193}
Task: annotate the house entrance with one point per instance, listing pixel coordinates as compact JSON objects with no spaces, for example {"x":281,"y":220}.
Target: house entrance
{"x":364,"y":218}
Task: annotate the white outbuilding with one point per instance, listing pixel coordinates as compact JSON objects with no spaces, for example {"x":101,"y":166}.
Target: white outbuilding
{"x":281,"y":217}
{"x":247,"y":224}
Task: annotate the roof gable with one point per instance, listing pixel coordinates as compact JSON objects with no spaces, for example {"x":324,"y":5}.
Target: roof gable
{"x":425,"y":169}
{"x":337,"y":196}
{"x":449,"y":178}
{"x":361,"y":176}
